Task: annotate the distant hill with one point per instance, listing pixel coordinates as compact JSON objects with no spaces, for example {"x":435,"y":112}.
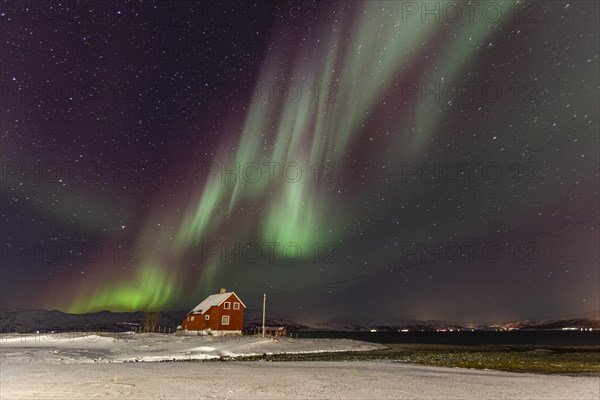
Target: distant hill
{"x":53,"y":320}
{"x":290,"y":325}
{"x":560,"y":324}
{"x":12,"y":320}
{"x":397,"y":325}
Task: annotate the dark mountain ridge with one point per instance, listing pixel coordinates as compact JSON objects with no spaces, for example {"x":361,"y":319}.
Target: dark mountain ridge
{"x":23,"y":321}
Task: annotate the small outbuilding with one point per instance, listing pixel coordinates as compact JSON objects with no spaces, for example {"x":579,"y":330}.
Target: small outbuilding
{"x":272,"y":330}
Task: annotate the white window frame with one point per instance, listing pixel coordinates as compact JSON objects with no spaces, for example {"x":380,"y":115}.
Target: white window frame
{"x":236,"y":306}
{"x":227,"y":305}
{"x":207,"y":317}
{"x":192,"y":318}
{"x":225,"y":318}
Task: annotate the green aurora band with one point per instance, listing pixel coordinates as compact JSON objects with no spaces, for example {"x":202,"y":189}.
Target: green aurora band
{"x":363,"y":56}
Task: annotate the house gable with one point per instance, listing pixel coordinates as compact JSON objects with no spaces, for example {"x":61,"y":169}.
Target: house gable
{"x":232,"y":301}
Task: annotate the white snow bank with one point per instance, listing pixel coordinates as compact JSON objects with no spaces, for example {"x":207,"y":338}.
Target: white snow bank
{"x":84,"y":348}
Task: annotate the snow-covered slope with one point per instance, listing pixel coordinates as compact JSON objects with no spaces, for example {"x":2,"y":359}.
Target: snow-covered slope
{"x":78,"y":347}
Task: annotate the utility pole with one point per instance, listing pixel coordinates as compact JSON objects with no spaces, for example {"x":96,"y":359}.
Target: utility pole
{"x":264,"y":306}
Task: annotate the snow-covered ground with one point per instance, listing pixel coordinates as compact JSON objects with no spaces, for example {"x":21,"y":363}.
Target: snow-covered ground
{"x":109,"y":348}
{"x":96,"y":366}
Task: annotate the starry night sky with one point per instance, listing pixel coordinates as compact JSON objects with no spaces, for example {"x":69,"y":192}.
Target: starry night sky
{"x":123,"y":124}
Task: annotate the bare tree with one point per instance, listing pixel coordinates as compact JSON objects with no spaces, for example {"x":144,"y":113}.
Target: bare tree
{"x":151,"y":321}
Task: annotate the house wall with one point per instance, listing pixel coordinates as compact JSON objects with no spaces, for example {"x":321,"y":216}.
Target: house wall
{"x":195,"y":322}
{"x":236,"y":318}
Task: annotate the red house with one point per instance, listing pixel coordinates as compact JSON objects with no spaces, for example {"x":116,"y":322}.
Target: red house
{"x":219,"y":314}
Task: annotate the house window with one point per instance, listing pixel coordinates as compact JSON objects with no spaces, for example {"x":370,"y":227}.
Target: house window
{"x":236,"y":306}
{"x":192,"y":318}
{"x":227,"y":305}
{"x":188,"y":318}
{"x":225,"y":320}
{"x":207,"y":317}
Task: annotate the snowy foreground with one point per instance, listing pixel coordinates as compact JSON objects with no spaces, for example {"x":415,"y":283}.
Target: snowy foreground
{"x":80,"y":366}
{"x":113,"y":348}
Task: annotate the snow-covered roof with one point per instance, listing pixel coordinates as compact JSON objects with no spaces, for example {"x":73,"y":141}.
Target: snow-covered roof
{"x":214,"y":300}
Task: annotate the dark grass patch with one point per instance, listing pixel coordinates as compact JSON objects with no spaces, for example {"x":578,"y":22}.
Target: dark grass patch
{"x":534,"y":359}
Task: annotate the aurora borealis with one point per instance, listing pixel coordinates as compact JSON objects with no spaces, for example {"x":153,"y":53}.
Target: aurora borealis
{"x":311,"y":151}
